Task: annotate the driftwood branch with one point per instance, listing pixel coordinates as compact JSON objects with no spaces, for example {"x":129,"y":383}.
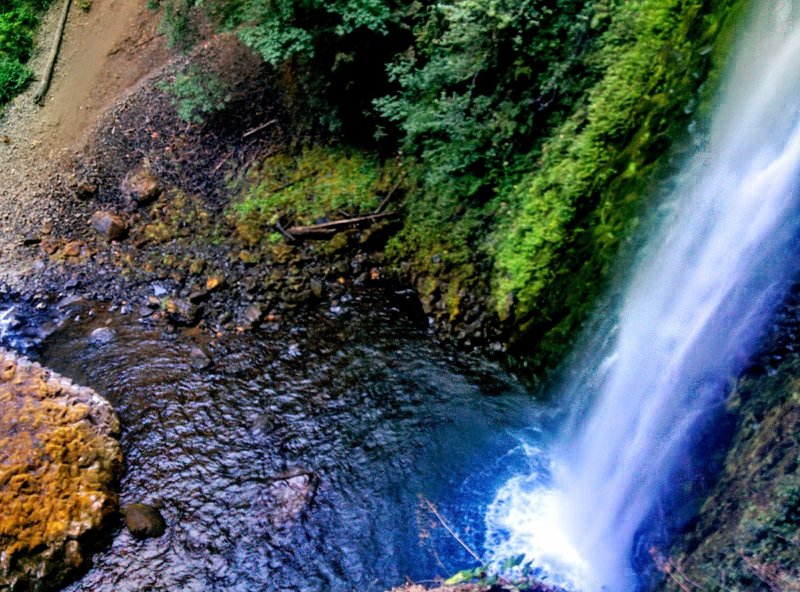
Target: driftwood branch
{"x":259,"y":128}
{"x":450,"y":530}
{"x":51,"y":61}
{"x":279,"y":227}
{"x":389,"y":195}
{"x":335,"y":226}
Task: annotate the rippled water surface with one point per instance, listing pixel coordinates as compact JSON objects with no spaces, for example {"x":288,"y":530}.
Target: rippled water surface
{"x":363,"y":400}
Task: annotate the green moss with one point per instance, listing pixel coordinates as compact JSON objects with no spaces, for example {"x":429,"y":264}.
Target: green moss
{"x":317,"y":183}
{"x":556,"y":241}
{"x":549,"y":222}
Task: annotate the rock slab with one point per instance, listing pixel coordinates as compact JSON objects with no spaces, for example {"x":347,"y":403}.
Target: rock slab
{"x":60,"y":463}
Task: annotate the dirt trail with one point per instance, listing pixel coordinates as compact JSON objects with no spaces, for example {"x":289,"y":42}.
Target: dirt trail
{"x":104,"y":52}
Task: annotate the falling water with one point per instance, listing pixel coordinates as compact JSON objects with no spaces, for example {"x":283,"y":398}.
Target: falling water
{"x":699,"y":298}
{"x":6,"y":321}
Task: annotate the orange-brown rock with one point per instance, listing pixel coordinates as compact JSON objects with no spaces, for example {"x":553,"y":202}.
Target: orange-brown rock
{"x":60,"y":463}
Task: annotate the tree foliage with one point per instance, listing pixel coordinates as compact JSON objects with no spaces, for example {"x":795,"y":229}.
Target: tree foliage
{"x":18,"y":22}
{"x":534,"y":125}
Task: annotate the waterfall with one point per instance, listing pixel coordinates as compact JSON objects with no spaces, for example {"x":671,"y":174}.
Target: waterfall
{"x":6,"y":321}
{"x":700,"y":295}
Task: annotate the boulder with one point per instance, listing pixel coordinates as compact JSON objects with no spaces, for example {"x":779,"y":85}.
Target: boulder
{"x":144,"y":521}
{"x":60,"y":463}
{"x":109,"y":225}
{"x":140,"y":188}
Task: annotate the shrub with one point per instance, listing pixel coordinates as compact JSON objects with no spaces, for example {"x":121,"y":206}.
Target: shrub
{"x":19,"y":20}
{"x":13,"y":78}
{"x":197,"y":94}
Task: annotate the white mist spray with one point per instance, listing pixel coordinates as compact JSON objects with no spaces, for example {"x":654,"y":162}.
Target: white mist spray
{"x":701,"y":294}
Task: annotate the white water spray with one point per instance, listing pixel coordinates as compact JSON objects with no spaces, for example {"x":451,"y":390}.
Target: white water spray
{"x":699,"y":299}
{"x":6,"y":321}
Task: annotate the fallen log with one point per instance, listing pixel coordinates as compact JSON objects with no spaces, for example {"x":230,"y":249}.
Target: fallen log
{"x":51,"y":62}
{"x":327,"y":228}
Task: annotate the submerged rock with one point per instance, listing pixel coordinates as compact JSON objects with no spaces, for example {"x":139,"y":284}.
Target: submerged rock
{"x":144,"y":521}
{"x":289,"y":494}
{"x":199,"y":358}
{"x":102,"y":335}
{"x":60,"y":463}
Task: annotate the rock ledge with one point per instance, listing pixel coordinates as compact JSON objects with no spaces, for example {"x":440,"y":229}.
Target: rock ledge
{"x":60,"y":463}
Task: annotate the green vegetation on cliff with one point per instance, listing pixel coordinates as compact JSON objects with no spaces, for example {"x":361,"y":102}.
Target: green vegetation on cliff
{"x":531,"y":131}
{"x":19,"y":20}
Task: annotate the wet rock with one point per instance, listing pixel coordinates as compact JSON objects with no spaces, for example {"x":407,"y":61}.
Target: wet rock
{"x":181,"y":311}
{"x":199,"y":358}
{"x":315,"y":285}
{"x":251,"y":317}
{"x":140,"y":188}
{"x":144,"y":521}
{"x":198,"y":295}
{"x":101,"y":335}
{"x":60,"y":463}
{"x":109,"y":225}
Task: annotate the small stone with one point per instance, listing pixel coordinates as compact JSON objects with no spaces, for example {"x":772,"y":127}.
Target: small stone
{"x":72,"y":249}
{"x":181,"y":312}
{"x":144,"y":521}
{"x":49,"y":246}
{"x":198,"y":295}
{"x":251,"y":316}
{"x":85,"y":190}
{"x":101,"y":335}
{"x":109,"y":225}
{"x":199,"y":359}
{"x":214,"y":282}
{"x":315,"y":285}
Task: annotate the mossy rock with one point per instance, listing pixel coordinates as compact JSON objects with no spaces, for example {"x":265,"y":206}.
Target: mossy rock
{"x":60,"y":463}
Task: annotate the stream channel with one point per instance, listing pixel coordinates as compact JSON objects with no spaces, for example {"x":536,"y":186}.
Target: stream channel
{"x":358,"y":402}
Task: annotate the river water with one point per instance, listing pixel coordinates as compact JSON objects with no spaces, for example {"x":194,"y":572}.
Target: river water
{"x":305,"y":458}
{"x":360,"y":397}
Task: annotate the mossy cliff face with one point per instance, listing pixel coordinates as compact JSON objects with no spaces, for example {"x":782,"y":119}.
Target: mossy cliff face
{"x":59,"y":466}
{"x":747,"y":538}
